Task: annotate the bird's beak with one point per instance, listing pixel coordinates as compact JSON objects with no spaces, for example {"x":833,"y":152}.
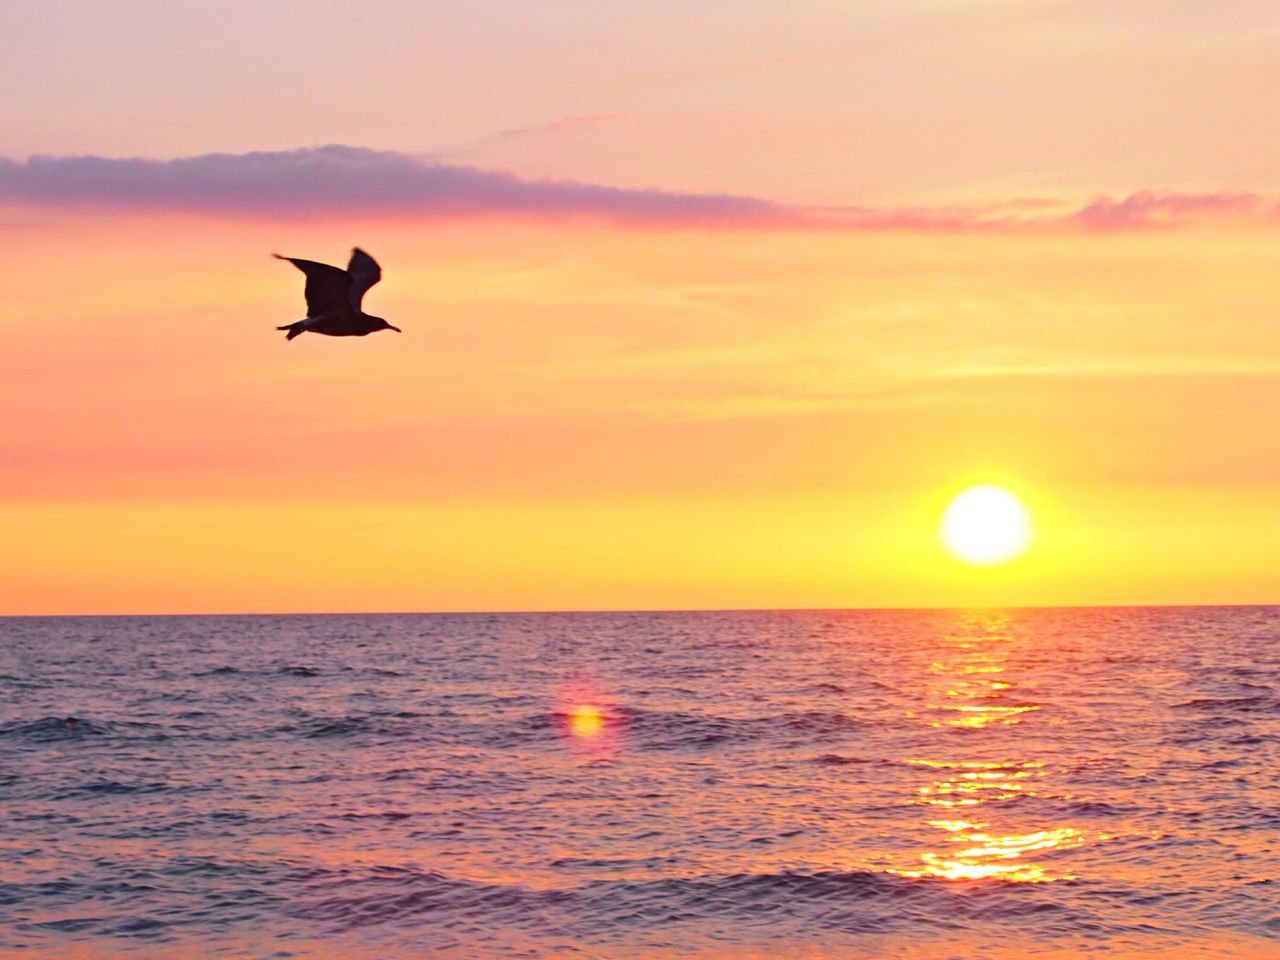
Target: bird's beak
{"x":396,"y":329}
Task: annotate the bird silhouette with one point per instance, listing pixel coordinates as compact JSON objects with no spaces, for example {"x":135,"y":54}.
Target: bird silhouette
{"x":334,"y":295}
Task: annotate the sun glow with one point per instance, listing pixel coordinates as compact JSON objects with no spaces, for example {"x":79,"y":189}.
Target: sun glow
{"x":985,"y":525}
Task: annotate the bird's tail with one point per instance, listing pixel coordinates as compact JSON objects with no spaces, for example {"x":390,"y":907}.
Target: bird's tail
{"x":293,"y":328}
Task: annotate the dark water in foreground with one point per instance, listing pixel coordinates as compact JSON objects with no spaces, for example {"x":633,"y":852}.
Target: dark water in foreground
{"x":800,"y":784}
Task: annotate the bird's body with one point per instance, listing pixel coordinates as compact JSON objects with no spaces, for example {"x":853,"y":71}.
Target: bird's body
{"x":333,"y":298}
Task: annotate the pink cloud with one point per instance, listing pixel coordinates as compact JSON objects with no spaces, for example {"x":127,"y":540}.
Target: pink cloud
{"x":342,"y":179}
{"x":1149,"y":208}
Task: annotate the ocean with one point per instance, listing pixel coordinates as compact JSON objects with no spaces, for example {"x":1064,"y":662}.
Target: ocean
{"x":799,"y":784}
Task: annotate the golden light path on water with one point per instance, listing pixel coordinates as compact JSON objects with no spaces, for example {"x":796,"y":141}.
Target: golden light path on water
{"x":975,"y":758}
{"x":969,"y":687}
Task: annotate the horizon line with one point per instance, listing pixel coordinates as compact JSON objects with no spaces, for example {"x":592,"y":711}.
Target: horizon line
{"x":650,"y":610}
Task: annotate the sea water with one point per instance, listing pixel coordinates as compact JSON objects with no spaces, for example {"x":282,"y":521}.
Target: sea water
{"x":1024,"y":783}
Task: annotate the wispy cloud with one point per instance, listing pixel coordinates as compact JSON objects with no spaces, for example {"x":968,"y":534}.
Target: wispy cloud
{"x":559,"y":125}
{"x":1143,"y":210}
{"x":343,"y":179}
{"x":1149,"y":208}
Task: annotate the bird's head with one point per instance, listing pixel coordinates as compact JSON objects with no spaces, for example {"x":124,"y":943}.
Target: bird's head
{"x":380,"y":324}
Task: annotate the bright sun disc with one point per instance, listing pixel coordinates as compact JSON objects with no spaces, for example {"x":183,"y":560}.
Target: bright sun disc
{"x":985,"y":525}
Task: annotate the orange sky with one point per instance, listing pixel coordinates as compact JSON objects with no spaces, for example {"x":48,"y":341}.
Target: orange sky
{"x":677,"y":376}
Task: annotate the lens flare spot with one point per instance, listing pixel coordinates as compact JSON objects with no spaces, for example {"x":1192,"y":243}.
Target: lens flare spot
{"x":586,"y":721}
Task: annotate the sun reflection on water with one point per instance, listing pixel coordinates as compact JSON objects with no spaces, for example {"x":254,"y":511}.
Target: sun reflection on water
{"x":971,"y":687}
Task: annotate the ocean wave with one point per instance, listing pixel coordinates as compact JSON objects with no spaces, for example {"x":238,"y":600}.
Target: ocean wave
{"x":825,"y":686}
{"x":336,"y":727}
{"x":297,"y":671}
{"x":52,"y":729}
{"x":108,"y":788}
{"x":378,"y":723}
{"x":851,"y":902}
{"x":289,"y":670}
{"x":1249,"y":704}
{"x":836,"y":759}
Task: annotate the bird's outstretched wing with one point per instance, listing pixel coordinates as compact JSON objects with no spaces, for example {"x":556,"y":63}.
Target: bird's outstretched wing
{"x":328,"y":288}
{"x":365,"y":272}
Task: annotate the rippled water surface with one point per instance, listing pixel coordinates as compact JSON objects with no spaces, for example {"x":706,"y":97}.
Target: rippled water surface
{"x":799,"y":784}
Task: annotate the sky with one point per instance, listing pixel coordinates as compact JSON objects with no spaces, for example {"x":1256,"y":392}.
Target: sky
{"x":704,"y":306}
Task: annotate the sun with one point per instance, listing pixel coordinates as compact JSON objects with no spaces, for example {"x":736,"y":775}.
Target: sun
{"x":985,"y":525}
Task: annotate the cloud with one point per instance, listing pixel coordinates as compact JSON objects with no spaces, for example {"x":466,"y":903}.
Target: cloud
{"x":1152,"y":209}
{"x":559,"y":125}
{"x":1143,"y":210}
{"x":344,"y":180}
{"x":347,"y":179}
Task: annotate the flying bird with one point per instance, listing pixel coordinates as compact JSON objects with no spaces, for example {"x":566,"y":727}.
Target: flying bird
{"x":333,"y":298}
